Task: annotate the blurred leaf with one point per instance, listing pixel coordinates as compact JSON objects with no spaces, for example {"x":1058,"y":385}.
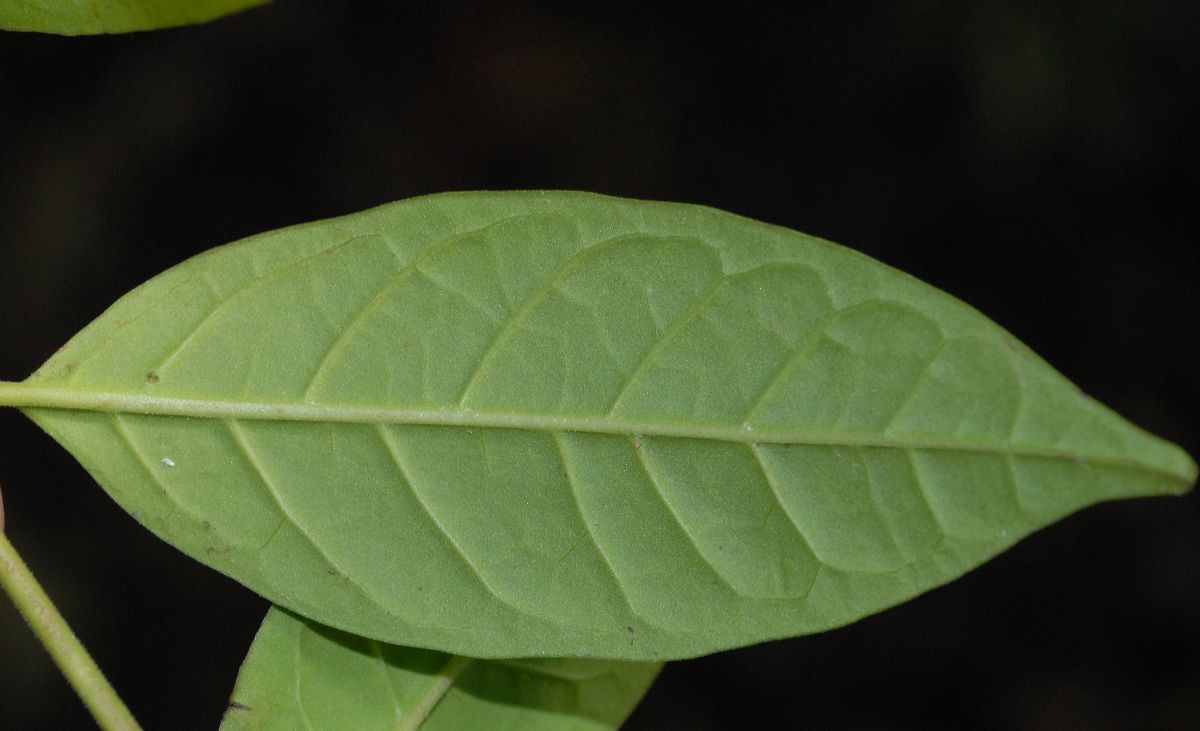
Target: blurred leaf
{"x":90,"y":17}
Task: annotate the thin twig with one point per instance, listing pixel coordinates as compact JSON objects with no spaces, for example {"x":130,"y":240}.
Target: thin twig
{"x":69,"y":654}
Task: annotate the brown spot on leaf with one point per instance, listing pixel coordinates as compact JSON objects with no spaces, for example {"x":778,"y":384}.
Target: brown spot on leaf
{"x":152,"y":377}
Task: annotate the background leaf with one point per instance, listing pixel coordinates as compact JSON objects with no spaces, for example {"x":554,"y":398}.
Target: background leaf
{"x":563,"y":424}
{"x":87,"y":17}
{"x":300,"y":674}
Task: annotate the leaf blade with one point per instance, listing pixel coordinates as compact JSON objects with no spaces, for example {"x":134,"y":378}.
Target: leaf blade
{"x":565,"y":415}
{"x":299,"y":674}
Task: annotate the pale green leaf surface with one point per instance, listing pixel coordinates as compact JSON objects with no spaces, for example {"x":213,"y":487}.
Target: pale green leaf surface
{"x":560,"y":424}
{"x":89,"y":17}
{"x":302,"y":675}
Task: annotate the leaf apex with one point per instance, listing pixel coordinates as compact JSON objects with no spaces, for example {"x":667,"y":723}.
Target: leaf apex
{"x":1187,"y":470}
{"x":1175,"y":467}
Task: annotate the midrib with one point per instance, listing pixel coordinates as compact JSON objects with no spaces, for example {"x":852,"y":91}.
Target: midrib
{"x":416,"y":716}
{"x":33,"y":396}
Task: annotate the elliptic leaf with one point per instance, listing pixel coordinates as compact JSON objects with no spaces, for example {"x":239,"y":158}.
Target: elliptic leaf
{"x":560,"y":424}
{"x":300,"y":674}
{"x":90,"y":17}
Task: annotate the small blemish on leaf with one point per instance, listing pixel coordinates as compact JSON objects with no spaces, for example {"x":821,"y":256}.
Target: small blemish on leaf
{"x":167,"y":462}
{"x":152,"y":377}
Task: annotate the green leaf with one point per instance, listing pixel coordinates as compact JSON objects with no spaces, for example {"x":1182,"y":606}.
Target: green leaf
{"x":300,"y":674}
{"x":560,"y":424}
{"x":89,"y":17}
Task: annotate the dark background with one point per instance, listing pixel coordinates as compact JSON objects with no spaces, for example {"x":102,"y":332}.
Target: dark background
{"x":1034,"y":159}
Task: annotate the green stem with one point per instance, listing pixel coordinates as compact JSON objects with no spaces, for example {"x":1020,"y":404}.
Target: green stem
{"x":72,"y":659}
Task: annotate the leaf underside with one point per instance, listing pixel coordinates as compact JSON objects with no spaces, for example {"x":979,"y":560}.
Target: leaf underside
{"x":560,"y":424}
{"x":89,"y":17}
{"x":301,"y":675}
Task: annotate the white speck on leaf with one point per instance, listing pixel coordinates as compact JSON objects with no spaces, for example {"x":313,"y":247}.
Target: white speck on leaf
{"x":168,"y":462}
